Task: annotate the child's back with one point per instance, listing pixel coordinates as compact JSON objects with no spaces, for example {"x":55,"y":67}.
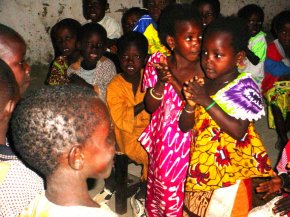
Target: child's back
{"x":64,"y":133}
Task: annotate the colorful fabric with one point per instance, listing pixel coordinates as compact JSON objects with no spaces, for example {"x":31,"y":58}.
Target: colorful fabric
{"x":100,"y":76}
{"x":41,"y":206}
{"x":216,"y":203}
{"x":278,"y":95}
{"x":284,"y":160}
{"x":218,"y":160}
{"x":276,"y":65}
{"x":148,"y":28}
{"x":18,"y":184}
{"x":258,"y":45}
{"x":58,"y":72}
{"x":121,"y":101}
{"x":168,"y":149}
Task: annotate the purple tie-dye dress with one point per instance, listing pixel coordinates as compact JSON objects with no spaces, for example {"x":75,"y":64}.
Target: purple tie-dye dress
{"x":168,"y":148}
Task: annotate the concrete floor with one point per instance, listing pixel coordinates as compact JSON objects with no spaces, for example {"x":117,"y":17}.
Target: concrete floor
{"x":268,"y":136}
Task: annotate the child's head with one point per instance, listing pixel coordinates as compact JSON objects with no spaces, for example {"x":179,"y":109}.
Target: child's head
{"x":9,"y":92}
{"x":180,"y":30}
{"x":92,"y":43}
{"x":223,"y":46}
{"x":209,"y":10}
{"x":281,"y":29}
{"x":64,"y":37}
{"x":95,"y":10}
{"x":155,"y":7}
{"x":130,"y":18}
{"x":64,"y":128}
{"x":254,"y":16}
{"x":132,"y":52}
{"x":12,"y":51}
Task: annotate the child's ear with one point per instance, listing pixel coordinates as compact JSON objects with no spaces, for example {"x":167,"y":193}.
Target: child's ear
{"x":240,"y":56}
{"x":107,"y":7}
{"x":76,"y":158}
{"x":170,"y":41}
{"x":8,"y":110}
{"x":78,"y":45}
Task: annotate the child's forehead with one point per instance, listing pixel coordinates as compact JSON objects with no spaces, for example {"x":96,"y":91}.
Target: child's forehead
{"x":92,"y":35}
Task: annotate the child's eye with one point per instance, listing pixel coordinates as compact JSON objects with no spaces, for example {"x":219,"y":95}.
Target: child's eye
{"x":218,"y":56}
{"x":205,"y":52}
{"x":200,"y":37}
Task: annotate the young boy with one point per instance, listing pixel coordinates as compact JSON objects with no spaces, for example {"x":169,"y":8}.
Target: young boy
{"x":64,"y":133}
{"x":18,"y":184}
{"x":12,"y":51}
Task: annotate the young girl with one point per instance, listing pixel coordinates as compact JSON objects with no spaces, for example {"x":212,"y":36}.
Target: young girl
{"x":64,"y":40}
{"x":167,"y":146}
{"x":93,"y":67}
{"x":276,"y":84}
{"x":125,"y":102}
{"x":81,"y":146}
{"x":257,"y":45}
{"x":209,"y":10}
{"x":226,"y":151}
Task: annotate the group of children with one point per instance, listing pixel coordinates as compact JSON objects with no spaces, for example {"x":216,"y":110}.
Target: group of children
{"x":186,"y":113}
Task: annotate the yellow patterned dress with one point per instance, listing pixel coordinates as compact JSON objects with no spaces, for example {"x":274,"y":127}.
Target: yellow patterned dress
{"x":218,"y":160}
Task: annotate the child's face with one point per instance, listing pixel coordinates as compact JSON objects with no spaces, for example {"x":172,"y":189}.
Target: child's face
{"x":17,"y":63}
{"x":96,"y":10}
{"x":132,"y":61}
{"x":187,"y":40}
{"x":155,"y":7}
{"x":284,"y":37}
{"x":129,"y":23}
{"x":254,"y":24}
{"x":66,"y":41}
{"x":207,"y":13}
{"x":99,"y":152}
{"x":92,"y":49}
{"x":218,"y":56}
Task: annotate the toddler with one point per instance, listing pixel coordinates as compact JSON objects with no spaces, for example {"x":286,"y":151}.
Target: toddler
{"x":257,"y":45}
{"x":226,"y":152}
{"x":130,"y":18}
{"x":64,"y":40}
{"x":93,"y":67}
{"x":64,"y":133}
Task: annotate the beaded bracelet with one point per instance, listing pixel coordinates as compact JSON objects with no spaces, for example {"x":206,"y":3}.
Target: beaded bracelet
{"x":210,"y":105}
{"x":155,"y":97}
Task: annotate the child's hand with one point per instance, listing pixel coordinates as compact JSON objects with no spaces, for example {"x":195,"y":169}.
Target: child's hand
{"x":192,"y":89}
{"x":271,"y":186}
{"x":163,"y":73}
{"x":282,"y":205}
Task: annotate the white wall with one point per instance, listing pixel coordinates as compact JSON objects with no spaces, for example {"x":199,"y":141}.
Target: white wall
{"x":33,"y":19}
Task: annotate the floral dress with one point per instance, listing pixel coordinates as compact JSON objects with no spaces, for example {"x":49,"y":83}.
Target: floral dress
{"x":168,"y":149}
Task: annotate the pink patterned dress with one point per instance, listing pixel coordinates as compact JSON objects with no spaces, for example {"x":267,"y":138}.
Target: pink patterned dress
{"x":168,"y":148}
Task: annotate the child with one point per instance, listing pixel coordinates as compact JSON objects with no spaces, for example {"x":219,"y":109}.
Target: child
{"x":18,"y":184}
{"x":93,"y":67}
{"x":64,"y":40}
{"x":12,"y":51}
{"x":276,"y":84}
{"x":95,"y":11}
{"x":125,"y":101}
{"x":226,"y":151}
{"x":209,"y":10}
{"x":64,"y":133}
{"x":130,"y":18}
{"x":147,"y":24}
{"x":257,"y":45}
{"x":167,"y":146}
{"x":278,"y":184}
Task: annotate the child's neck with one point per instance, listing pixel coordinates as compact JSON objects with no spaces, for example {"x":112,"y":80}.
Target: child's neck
{"x":68,"y":188}
{"x":73,"y":58}
{"x":87,"y":66}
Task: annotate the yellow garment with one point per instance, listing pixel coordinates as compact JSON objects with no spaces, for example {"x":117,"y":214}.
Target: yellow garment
{"x":127,"y":128}
{"x":154,"y":42}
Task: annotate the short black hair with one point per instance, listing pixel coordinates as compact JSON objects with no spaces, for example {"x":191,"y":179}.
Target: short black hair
{"x":51,"y":120}
{"x":214,"y":3}
{"x":234,"y":26}
{"x":171,"y":16}
{"x":92,"y":28}
{"x":71,"y":24}
{"x":8,"y":85}
{"x":250,"y":9}
{"x":280,"y":20}
{"x":135,"y":38}
{"x":139,"y":12}
{"x":145,"y":2}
